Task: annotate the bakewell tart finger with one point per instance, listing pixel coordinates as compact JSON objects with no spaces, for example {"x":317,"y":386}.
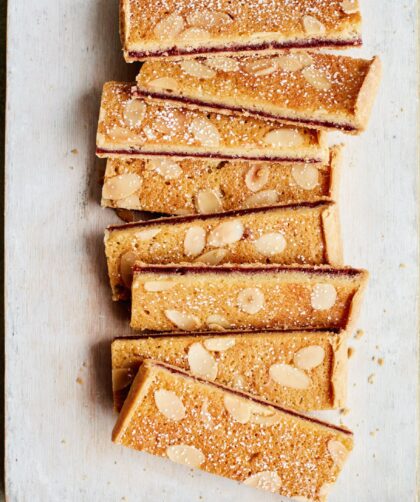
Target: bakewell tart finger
{"x":172,"y":298}
{"x":304,"y":233}
{"x":303,"y":370}
{"x":130,"y":127}
{"x":196,"y":186}
{"x":324,"y":91}
{"x":201,"y":424}
{"x":174,"y":28}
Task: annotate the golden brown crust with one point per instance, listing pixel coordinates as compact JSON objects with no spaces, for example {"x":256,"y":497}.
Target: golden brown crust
{"x":336,"y":157}
{"x":332,"y":236}
{"x":356,"y":304}
{"x":368,"y":91}
{"x":340,"y":370}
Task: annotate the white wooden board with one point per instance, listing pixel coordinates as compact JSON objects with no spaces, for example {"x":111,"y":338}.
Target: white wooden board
{"x":60,"y":318}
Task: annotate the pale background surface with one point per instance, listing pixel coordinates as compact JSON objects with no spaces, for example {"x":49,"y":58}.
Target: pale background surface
{"x":60,"y":318}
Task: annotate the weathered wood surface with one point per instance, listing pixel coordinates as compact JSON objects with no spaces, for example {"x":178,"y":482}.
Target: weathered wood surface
{"x":60,"y":318}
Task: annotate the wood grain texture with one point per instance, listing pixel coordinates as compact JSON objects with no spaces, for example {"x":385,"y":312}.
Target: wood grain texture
{"x":60,"y":318}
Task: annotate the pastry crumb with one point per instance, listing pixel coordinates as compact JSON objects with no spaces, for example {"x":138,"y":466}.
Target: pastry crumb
{"x":371,"y":378}
{"x":79,"y":381}
{"x":359,"y":334}
{"x":75,"y":151}
{"x":63,"y":441}
{"x":344,"y":411}
{"x":381,"y":361}
{"x":350,"y":352}
{"x":402,"y":265}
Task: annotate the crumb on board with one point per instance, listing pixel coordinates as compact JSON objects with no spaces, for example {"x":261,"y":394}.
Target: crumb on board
{"x":359,"y":334}
{"x":350,"y":352}
{"x":402,"y":265}
{"x":79,"y":380}
{"x":75,"y":151}
{"x":371,"y":378}
{"x":344,"y":411}
{"x":381,"y":361}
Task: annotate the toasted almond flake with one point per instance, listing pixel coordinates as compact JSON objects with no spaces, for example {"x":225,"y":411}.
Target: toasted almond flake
{"x":264,"y":420}
{"x":193,"y":35}
{"x":187,"y":322}
{"x":251,"y":300}
{"x":217,"y":322}
{"x":261,"y":67}
{"x":257,"y":177}
{"x":238,"y":409}
{"x":265,"y":480}
{"x":261,"y":199}
{"x":313,"y":26}
{"x":164,"y":83}
{"x":204,"y":18}
{"x":284,"y":138}
{"x":294,"y":62}
{"x":197,"y":69}
{"x":167,"y":168}
{"x":126,"y":267}
{"x":169,"y":404}
{"x":146,"y":235}
{"x":238,"y":381}
{"x":316,"y":78}
{"x":130,"y":202}
{"x":305,"y":176}
{"x":323,"y":296}
{"x":226,"y":233}
{"x":270,"y":244}
{"x":350,"y":6}
{"x":186,"y":455}
{"x":205,"y":132}
{"x":214,"y":257}
{"x":202,"y":363}
{"x":338,"y":452}
{"x":169,"y":27}
{"x":219,"y":344}
{"x":223,"y":64}
{"x":195,"y":241}
{"x":208,"y":202}
{"x":134,"y":112}
{"x":121,"y":378}
{"x":288,"y":376}
{"x":156,"y":286}
{"x":309,"y":358}
{"x":121,"y":186}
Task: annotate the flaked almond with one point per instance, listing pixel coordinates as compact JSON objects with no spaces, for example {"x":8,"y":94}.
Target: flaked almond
{"x":338,"y":452}
{"x":146,"y":235}
{"x":195,"y":241}
{"x":350,"y":6}
{"x":226,"y":233}
{"x":323,"y":296}
{"x":187,"y":322}
{"x":130,"y":202}
{"x":265,"y":420}
{"x":223,"y":64}
{"x":127,"y":262}
{"x":238,"y":381}
{"x":169,"y":27}
{"x":121,"y":378}
{"x":316,"y":78}
{"x":294,"y":62}
{"x":265,"y":480}
{"x":208,"y":202}
{"x":309,"y":358}
{"x":239,"y":409}
{"x":313,"y":26}
{"x":186,"y":455}
{"x":197,"y":69}
{"x":202,"y":363}
{"x":270,"y":244}
{"x":289,"y":376}
{"x":204,"y":18}
{"x":121,"y":186}
{"x":169,"y":404}
{"x":305,"y":176}
{"x":283,"y":138}
{"x":257,"y":177}
{"x":134,"y":112}
{"x":261,"y":199}
{"x":251,"y":300}
{"x":164,"y":84}
{"x":219,"y":344}
{"x":193,"y":35}
{"x":214,"y":257}
{"x":156,"y":286}
{"x":167,"y":168}
{"x":261,"y":67}
{"x":205,"y":132}
{"x":217,"y":322}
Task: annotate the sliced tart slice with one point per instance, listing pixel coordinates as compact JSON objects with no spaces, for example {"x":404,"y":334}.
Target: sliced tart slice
{"x":303,"y":370}
{"x":200,"y":424}
{"x":130,"y":127}
{"x":304,"y":233}
{"x":173,"y":298}
{"x":324,"y":91}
